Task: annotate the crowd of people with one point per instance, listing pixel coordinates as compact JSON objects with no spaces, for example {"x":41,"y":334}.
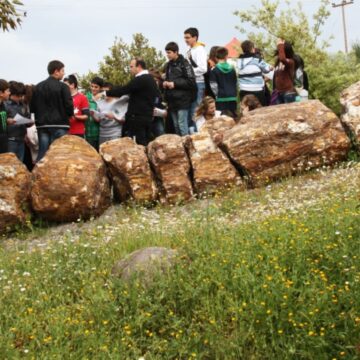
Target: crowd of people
{"x":178,"y":99}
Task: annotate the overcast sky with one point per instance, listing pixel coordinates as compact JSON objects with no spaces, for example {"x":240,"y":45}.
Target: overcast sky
{"x":80,"y":32}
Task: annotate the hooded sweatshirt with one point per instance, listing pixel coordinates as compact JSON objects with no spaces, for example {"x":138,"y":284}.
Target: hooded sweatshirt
{"x":223,"y":82}
{"x":198,"y":59}
{"x":251,"y":70}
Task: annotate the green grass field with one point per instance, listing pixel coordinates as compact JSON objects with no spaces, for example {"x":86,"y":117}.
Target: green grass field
{"x":272,"y":273}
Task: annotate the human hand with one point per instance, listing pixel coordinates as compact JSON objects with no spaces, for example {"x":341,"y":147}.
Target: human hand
{"x":11,"y":121}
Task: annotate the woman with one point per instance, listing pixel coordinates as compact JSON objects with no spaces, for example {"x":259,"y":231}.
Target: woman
{"x":205,"y":111}
{"x":284,"y":73}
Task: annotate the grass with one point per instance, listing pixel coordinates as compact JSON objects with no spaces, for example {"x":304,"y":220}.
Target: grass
{"x":258,"y":278}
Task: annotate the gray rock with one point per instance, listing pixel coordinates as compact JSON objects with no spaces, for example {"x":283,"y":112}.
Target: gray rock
{"x":145,"y":264}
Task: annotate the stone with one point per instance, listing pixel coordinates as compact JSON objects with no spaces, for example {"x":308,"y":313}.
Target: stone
{"x":350,"y":101}
{"x":171,"y":166}
{"x":70,"y":182}
{"x":145,"y":264}
{"x":212,"y":170}
{"x":130,"y":170}
{"x":15,"y":181}
{"x":216,"y":127}
{"x":278,"y":141}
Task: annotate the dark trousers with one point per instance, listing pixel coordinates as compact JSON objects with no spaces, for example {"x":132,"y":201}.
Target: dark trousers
{"x":259,"y":94}
{"x":138,"y":127}
{"x":227,"y":108}
{"x":3,"y":143}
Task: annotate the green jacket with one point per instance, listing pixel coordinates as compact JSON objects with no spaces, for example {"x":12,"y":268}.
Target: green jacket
{"x":91,"y":126}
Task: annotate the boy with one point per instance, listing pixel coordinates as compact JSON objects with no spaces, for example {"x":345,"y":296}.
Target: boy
{"x":223,"y":82}
{"x":4,"y":120}
{"x":179,"y":87}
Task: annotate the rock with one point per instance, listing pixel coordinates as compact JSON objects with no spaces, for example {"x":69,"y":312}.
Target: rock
{"x":171,"y":166}
{"x":15,"y":182}
{"x":350,"y":101}
{"x":278,"y":141}
{"x":211,"y":167}
{"x":216,"y":127}
{"x":70,"y":182}
{"x":145,"y":264}
{"x":130,"y":170}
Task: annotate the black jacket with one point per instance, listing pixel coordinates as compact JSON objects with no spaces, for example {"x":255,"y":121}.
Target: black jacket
{"x":184,"y":93}
{"x":52,"y":104}
{"x":143,"y":92}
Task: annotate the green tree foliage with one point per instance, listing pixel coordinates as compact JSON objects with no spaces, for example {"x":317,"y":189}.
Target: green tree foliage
{"x":10,"y":15}
{"x":115,"y":66}
{"x":328,"y":74}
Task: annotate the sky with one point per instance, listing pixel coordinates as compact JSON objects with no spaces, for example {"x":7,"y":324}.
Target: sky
{"x":80,"y":32}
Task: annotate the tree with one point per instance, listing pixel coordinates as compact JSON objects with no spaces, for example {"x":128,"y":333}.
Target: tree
{"x":10,"y":15}
{"x":328,"y":74}
{"x":115,"y":66}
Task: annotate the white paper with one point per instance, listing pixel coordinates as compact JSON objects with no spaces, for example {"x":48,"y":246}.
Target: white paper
{"x":21,"y":120}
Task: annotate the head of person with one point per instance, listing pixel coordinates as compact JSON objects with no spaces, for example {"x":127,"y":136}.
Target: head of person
{"x":222,"y":54}
{"x":212,"y":56}
{"x":96,"y":85}
{"x":156,"y":74}
{"x":17,"y":90}
{"x":206,"y":108}
{"x":107,"y":86}
{"x":29,"y":90}
{"x":191,"y":36}
{"x":137,"y":65}
{"x":289,"y":51}
{"x":248,"y":47}
{"x":4,"y":90}
{"x":72,"y":82}
{"x":299,"y":62}
{"x":56,"y":69}
{"x":172,"y":51}
{"x":249,"y":102}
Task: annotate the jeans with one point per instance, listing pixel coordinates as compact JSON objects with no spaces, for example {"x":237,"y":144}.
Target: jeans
{"x":17,"y":147}
{"x":180,"y":120}
{"x":286,"y":98}
{"x":46,"y":137}
{"x":194,"y":105}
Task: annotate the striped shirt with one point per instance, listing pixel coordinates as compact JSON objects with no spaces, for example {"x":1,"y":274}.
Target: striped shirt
{"x":250,"y":73}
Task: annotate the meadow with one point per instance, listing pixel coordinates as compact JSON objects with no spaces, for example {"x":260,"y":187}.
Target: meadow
{"x":271,"y":273}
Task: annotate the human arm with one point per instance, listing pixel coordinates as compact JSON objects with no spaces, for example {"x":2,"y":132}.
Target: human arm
{"x":119,"y":91}
{"x":199,"y":57}
{"x":67,"y":100}
{"x":187,"y":80}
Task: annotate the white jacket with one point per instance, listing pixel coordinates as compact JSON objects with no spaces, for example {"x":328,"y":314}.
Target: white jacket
{"x":199,"y":57}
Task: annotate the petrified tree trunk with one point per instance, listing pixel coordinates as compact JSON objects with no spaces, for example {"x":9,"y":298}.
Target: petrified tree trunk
{"x":130,"y":170}
{"x":350,"y":100}
{"x":15,"y":182}
{"x":278,"y":141}
{"x":70,"y":182}
{"x":212,"y":170}
{"x":171,"y":165}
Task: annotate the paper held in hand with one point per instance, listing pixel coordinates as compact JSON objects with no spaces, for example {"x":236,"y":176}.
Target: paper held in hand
{"x":21,"y":120}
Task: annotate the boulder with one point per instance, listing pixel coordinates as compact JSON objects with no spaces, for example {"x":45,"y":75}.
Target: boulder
{"x":70,"y":182}
{"x":216,"y":127}
{"x":171,"y":166}
{"x":15,"y":182}
{"x":350,"y":101}
{"x":211,"y":167}
{"x":278,"y":141}
{"x":129,"y":169}
{"x":145,"y":264}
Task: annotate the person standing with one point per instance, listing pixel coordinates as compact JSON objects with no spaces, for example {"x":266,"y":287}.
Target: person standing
{"x":142,"y":91}
{"x":17,"y":133}
{"x":81,"y":108}
{"x":251,"y":69}
{"x":4,"y":119}
{"x":92,"y":126}
{"x":285,"y":73}
{"x":197,"y":57}
{"x":53,"y":106}
{"x":223,"y":82}
{"x":179,"y":88}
